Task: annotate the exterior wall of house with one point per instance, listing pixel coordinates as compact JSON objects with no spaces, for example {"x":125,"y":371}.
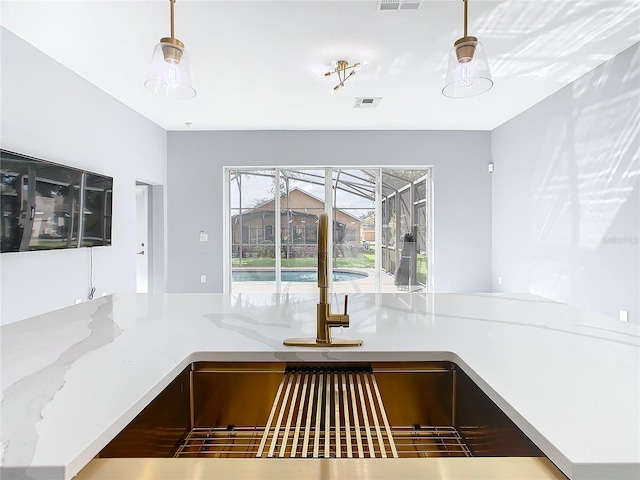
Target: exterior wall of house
{"x":298,"y":215}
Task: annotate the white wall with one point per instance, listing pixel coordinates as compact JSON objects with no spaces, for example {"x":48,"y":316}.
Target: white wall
{"x":566,"y":215}
{"x":51,"y":113}
{"x":462,"y":192}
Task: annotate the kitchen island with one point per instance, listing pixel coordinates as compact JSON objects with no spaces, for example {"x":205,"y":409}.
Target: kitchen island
{"x":72,"y":379}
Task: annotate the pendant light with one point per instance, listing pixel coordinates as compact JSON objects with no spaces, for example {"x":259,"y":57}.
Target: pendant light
{"x":170,"y":71}
{"x":468,"y":72}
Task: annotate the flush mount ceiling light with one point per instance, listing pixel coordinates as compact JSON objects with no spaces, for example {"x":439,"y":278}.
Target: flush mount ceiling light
{"x":343,"y":70}
{"x":468,"y":73}
{"x":170,"y":71}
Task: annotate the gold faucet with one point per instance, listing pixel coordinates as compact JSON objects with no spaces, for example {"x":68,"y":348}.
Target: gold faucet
{"x":324,"y":318}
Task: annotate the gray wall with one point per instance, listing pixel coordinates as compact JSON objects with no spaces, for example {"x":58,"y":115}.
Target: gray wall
{"x":51,"y":113}
{"x":462,"y":193}
{"x":566,"y":216}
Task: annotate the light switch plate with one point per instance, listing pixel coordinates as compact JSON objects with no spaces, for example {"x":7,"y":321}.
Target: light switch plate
{"x":204,"y":237}
{"x":624,"y":316}
{"x":203,"y":279}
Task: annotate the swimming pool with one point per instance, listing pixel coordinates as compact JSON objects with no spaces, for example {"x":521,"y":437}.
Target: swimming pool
{"x":292,"y":276}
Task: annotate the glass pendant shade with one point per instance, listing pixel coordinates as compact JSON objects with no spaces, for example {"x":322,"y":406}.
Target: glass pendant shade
{"x":170,"y":71}
{"x":468,"y":72}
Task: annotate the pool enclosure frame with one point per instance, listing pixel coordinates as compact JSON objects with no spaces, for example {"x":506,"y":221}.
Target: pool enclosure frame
{"x":398,"y":193}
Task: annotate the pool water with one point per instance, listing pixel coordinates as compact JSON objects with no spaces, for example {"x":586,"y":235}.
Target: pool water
{"x":292,"y":276}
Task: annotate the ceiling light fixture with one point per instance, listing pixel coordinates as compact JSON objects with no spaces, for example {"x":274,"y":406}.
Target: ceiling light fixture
{"x":468,"y":73}
{"x":170,"y":71}
{"x":343,"y":70}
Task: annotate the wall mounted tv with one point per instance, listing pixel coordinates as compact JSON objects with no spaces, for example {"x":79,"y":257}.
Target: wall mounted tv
{"x":49,"y":206}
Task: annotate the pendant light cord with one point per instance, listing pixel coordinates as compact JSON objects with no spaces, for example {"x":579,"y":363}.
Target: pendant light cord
{"x":465,"y":17}
{"x":172,"y":4}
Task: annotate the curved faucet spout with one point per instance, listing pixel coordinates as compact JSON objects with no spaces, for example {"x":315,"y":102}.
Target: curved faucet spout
{"x":324,"y":318}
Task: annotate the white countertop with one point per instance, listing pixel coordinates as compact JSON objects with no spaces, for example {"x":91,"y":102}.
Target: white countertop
{"x":73,"y":378}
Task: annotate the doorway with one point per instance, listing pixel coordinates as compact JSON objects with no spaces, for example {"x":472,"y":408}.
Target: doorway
{"x":142,"y":238}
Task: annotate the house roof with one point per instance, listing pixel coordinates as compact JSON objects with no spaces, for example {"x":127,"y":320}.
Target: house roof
{"x":298,"y":189}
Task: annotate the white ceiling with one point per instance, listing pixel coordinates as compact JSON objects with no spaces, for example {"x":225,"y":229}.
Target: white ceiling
{"x":257,"y":64}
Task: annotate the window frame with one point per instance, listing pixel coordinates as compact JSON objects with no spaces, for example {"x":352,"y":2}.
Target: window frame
{"x":328,"y":209}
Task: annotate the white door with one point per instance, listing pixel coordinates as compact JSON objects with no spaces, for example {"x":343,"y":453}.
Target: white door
{"x":142,"y":238}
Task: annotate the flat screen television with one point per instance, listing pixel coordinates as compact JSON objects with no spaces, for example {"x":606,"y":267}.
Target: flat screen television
{"x":49,"y":206}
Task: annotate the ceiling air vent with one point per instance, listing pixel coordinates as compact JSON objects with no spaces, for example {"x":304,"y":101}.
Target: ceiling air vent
{"x":366,"y":102}
{"x":395,"y":5}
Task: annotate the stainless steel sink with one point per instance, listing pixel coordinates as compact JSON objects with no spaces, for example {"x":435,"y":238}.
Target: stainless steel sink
{"x":359,"y":410}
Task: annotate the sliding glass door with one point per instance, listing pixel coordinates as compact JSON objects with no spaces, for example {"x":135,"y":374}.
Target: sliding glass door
{"x":380,"y":233}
